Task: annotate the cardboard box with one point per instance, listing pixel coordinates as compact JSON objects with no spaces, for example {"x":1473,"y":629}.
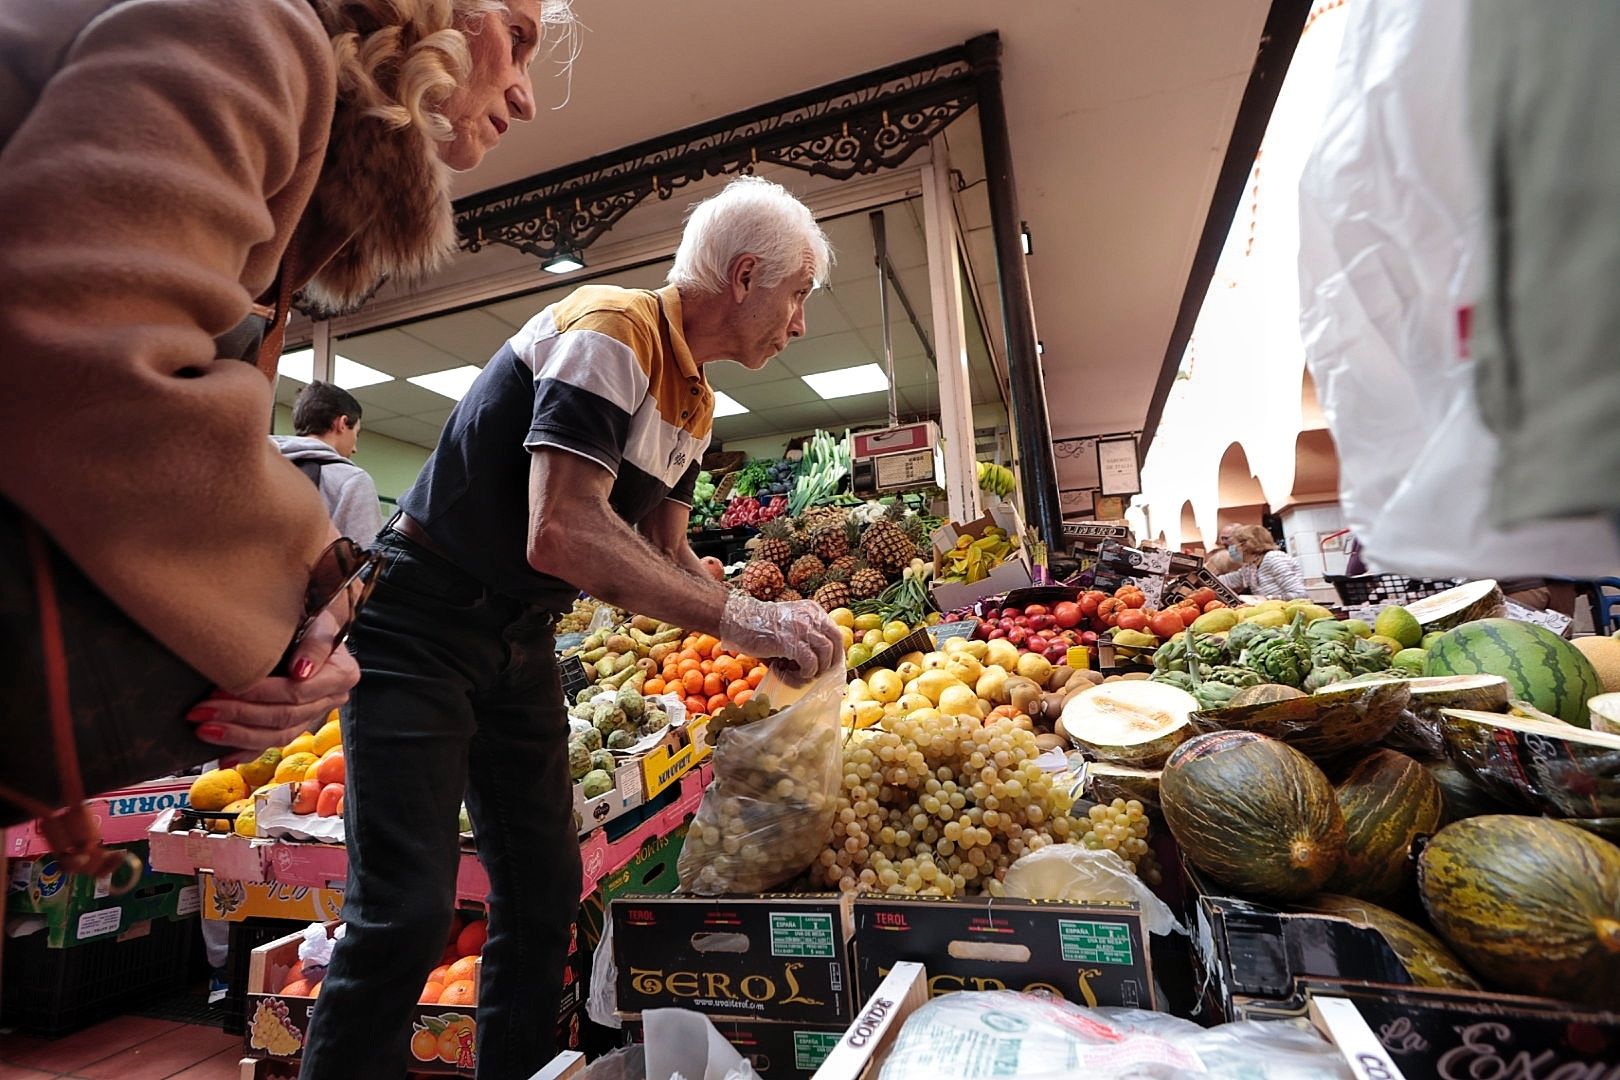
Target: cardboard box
{"x":781,"y":959}
{"x":278,"y":1026}
{"x":1090,"y":954}
{"x":625,"y":796}
{"x":236,"y":901}
{"x":776,"y":1051}
{"x":1013,"y":574}
{"x":123,"y":815}
{"x":686,"y":748}
{"x":565,"y":1066}
{"x":865,"y":1043}
{"x":652,"y":872}
{"x":76,"y":909}
{"x":178,"y":848}
{"x":1394,"y":1031}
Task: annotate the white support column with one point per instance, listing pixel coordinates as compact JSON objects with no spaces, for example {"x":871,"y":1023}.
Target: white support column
{"x":950,"y":339}
{"x":325,"y":360}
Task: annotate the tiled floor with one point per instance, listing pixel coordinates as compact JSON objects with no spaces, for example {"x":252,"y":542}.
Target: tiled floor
{"x":127,"y":1048}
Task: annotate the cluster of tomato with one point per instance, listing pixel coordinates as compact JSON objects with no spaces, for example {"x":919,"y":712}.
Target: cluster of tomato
{"x":1127,"y":609}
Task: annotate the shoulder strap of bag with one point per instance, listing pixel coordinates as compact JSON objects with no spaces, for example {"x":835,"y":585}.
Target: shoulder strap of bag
{"x":312,"y":469}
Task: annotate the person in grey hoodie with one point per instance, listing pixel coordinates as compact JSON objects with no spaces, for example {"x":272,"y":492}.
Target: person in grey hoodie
{"x":327,"y":420}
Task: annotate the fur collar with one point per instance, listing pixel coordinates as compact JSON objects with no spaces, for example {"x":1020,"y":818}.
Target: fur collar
{"x":381,"y":209}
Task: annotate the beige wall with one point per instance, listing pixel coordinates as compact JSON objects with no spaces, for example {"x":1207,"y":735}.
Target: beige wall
{"x":393,"y":465}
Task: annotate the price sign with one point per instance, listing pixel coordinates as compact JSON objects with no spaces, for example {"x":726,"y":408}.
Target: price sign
{"x":572,"y":670}
{"x":943,"y":632}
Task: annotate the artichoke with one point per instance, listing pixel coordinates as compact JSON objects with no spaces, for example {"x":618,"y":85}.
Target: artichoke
{"x":1330,"y":630}
{"x":1280,"y":658}
{"x":1172,"y":655}
{"x":1335,"y":654}
{"x":1214,"y":695}
{"x":1241,"y":635}
{"x":1178,"y":679}
{"x":1210,"y":649}
{"x":579,"y":759}
{"x":1324,"y":676}
{"x":1370,"y":656}
{"x":1232,"y":675}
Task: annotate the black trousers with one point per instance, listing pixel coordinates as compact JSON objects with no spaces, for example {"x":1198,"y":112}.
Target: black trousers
{"x":459,"y":696}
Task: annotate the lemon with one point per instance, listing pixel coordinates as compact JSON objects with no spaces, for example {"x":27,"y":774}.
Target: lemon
{"x":217,"y":788}
{"x":895,"y":632}
{"x":869,"y":621}
{"x":293,"y":767}
{"x":874,"y":639}
{"x":257,"y":773}
{"x":859,"y":654}
{"x":843,"y":617}
{"x":304,"y":744}
{"x":327,"y":737}
{"x":247,"y":821}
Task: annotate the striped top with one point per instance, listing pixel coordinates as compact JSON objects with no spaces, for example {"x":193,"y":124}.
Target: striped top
{"x":605,"y":374}
{"x":1276,"y":576}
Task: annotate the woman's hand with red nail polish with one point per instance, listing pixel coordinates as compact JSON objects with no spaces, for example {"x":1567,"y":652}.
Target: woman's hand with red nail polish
{"x":275,"y":710}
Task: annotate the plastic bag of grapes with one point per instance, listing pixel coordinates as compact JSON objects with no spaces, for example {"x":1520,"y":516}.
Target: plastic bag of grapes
{"x":769,"y":811}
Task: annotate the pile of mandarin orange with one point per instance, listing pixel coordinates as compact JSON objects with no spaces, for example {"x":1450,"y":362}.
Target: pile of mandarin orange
{"x":706,"y":676}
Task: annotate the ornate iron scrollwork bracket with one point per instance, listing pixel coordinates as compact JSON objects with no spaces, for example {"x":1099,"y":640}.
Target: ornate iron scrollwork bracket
{"x":850,"y":128}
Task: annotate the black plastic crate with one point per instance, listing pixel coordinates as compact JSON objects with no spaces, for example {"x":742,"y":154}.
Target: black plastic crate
{"x":51,"y":992}
{"x":245,"y":937}
{"x":1385,"y":589}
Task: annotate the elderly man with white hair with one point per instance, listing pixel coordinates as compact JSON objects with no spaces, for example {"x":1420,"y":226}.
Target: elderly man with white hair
{"x":568,"y":466}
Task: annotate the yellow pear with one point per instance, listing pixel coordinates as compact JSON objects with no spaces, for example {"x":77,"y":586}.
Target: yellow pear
{"x":867,"y":713}
{"x":932,"y":684}
{"x":857,"y":691}
{"x":1001,"y":653}
{"x":907,"y":670}
{"x":959,"y":700}
{"x":910,"y":704}
{"x":934,"y":660}
{"x":885,"y":686}
{"x":966,"y":668}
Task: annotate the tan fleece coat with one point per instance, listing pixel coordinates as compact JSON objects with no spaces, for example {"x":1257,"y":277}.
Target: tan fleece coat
{"x":156,"y":158}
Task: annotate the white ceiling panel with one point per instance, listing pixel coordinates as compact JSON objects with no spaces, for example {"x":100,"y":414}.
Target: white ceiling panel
{"x":408,"y":429}
{"x":814,"y":355}
{"x":402,"y":398}
{"x":472,"y":336}
{"x":776,"y":394}
{"x":396,"y":352}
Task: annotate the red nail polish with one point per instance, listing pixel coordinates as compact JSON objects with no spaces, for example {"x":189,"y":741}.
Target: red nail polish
{"x":302,"y":668}
{"x":201,"y":714}
{"x":211,"y":731}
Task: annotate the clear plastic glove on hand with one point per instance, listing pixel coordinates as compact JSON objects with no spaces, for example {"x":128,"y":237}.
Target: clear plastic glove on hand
{"x":799,"y":633}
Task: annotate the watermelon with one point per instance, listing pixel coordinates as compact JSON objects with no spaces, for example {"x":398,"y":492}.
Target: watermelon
{"x":1253,"y":813}
{"x":1540,"y":667}
{"x":1530,"y":903}
{"x":1426,"y":959}
{"x":1388,"y":800}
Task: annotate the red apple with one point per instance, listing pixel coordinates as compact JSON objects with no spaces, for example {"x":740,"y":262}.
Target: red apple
{"x":1018,"y":635}
{"x":1010,"y":613}
{"x":1057,"y":653}
{"x":1037,"y":609}
{"x":1088,"y":638}
{"x":996,"y":635}
{"x":1035,"y":643}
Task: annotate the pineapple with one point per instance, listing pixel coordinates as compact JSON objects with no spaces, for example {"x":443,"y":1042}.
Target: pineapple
{"x":776,"y":543}
{"x":843,"y":569}
{"x":866,"y":584}
{"x":760,"y":579}
{"x":829,"y":543}
{"x":787,"y":596}
{"x":805,"y":568}
{"x":886,"y":547}
{"x":833,"y":595}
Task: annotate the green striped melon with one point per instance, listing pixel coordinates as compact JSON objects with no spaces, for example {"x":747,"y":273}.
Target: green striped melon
{"x":1388,"y":801}
{"x":1540,"y":667}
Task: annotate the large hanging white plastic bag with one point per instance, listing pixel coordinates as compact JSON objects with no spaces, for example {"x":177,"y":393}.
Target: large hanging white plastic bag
{"x":1391,"y":215}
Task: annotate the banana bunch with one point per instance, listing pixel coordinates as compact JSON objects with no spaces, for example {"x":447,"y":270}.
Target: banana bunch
{"x":996,"y":479}
{"x":972,"y":560}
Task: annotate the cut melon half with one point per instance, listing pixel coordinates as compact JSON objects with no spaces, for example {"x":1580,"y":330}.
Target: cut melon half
{"x":1605,"y":713}
{"x":1106,"y":782}
{"x":1561,"y":769}
{"x":1465,"y":603}
{"x":1129,"y":722}
{"x":1484,"y":693}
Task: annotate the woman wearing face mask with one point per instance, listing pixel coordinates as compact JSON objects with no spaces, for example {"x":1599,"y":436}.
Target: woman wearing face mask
{"x":1265,"y":570}
{"x":172,"y":172}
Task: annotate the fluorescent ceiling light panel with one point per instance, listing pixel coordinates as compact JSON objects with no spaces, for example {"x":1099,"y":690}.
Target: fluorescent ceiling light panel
{"x":847,"y":382}
{"x":452,"y":383}
{"x":300,"y":367}
{"x":726,"y":405}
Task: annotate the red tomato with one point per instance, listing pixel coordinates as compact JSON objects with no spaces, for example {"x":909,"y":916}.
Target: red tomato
{"x":1166,"y":624}
{"x":1089,"y":602}
{"x":1108,"y":611}
{"x":1132,"y":596}
{"x":1132,"y":619}
{"x":1214,"y":605}
{"x":1202,"y":596}
{"x":1067,"y":614}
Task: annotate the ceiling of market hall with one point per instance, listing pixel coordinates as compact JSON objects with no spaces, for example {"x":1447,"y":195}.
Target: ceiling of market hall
{"x":1120,"y":112}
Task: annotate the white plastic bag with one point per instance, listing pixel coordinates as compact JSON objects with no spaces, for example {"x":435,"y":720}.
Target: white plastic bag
{"x":602,"y":1004}
{"x":1391,"y":217}
{"x":1079,"y":875}
{"x":994,"y":1034}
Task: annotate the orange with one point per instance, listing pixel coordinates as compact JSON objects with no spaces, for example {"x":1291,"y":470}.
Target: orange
{"x":756,"y":675}
{"x":439,"y":974}
{"x":653,"y":687}
{"x":733,"y":689}
{"x":716,"y":703}
{"x":693,"y":681}
{"x":296,"y":988}
{"x":315,"y":991}
{"x":462,"y":970}
{"x":460,"y":992}
{"x":743,"y":696}
{"x":424,"y":1045}
{"x":430,"y":993}
{"x":713,"y":683}
{"x":296,"y":975}
{"x":471,"y":940}
{"x":705,"y":644}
